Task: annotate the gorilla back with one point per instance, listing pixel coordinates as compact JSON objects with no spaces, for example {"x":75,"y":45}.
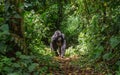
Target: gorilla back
{"x":58,"y":42}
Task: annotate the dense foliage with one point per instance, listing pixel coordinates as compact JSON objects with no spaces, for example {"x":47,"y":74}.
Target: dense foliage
{"x":91,"y":28}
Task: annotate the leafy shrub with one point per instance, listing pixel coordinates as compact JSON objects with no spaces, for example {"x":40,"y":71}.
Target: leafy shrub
{"x":26,"y":64}
{"x":4,"y":37}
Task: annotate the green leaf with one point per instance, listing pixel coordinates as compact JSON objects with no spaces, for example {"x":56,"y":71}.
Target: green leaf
{"x":107,"y":56}
{"x":8,"y":69}
{"x":24,"y":57}
{"x":4,"y":27}
{"x":16,"y":65}
{"x":2,"y":47}
{"x":17,"y":16}
{"x":1,"y":20}
{"x":114,"y":41}
{"x":13,"y":74}
{"x":97,"y":52}
{"x":18,"y":53}
{"x":118,"y":63}
{"x":27,"y":4}
{"x":32,"y":67}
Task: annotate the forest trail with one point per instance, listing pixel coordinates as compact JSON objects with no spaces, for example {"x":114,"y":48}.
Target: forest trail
{"x":66,"y":68}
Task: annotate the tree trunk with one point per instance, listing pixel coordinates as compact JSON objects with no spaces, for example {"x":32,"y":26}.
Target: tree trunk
{"x":59,"y":20}
{"x":14,"y":19}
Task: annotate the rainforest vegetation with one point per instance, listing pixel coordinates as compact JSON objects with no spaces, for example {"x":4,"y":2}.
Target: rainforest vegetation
{"x":91,"y":29}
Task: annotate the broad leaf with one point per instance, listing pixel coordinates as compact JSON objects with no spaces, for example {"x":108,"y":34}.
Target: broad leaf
{"x":107,"y":56}
{"x":32,"y":67}
{"x":114,"y":41}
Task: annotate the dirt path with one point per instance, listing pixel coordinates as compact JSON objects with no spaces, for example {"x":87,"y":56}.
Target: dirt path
{"x":66,"y":68}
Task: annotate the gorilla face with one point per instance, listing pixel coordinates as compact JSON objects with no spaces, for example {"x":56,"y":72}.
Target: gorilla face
{"x":57,"y":33}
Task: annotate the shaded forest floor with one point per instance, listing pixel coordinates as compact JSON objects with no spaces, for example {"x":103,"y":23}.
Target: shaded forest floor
{"x":66,"y":68}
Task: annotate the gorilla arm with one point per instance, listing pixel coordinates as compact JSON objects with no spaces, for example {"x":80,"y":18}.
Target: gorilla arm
{"x":63,"y":47}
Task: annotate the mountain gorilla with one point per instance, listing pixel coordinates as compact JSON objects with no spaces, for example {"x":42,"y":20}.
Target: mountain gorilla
{"x":58,"y":42}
